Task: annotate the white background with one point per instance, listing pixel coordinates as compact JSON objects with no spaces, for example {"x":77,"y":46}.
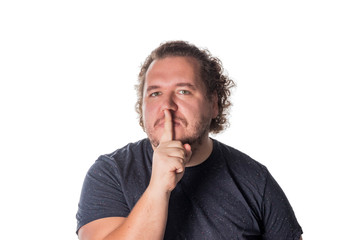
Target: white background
{"x":68,"y":70}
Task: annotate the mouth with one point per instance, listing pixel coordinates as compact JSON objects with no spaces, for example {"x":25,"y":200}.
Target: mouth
{"x":176,"y":122}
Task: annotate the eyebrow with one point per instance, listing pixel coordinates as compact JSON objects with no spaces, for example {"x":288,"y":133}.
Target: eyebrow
{"x":181,"y":84}
{"x":152,"y":87}
{"x":189,"y":85}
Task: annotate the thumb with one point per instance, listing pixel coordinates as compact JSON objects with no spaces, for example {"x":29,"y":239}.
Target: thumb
{"x":188,"y":152}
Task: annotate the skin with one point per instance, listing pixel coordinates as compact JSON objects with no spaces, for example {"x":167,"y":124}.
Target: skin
{"x":177,"y":116}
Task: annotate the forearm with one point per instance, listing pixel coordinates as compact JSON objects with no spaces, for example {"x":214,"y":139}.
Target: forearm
{"x":147,"y":220}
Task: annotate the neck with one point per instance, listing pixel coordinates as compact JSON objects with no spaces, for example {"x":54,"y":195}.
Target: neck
{"x":200,"y":152}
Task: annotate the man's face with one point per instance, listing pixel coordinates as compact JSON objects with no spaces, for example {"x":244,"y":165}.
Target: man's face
{"x":174,"y":83}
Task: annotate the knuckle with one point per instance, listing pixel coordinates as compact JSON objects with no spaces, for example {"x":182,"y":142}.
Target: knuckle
{"x":180,"y":152}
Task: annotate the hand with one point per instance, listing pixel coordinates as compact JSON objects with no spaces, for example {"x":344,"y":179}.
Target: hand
{"x":169,"y":159}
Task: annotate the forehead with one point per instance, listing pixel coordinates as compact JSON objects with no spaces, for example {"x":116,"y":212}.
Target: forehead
{"x":173,"y":69}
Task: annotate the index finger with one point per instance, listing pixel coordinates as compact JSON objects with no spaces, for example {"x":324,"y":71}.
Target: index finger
{"x":168,"y":127}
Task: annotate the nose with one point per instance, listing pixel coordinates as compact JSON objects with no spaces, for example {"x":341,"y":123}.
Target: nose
{"x":169,"y":103}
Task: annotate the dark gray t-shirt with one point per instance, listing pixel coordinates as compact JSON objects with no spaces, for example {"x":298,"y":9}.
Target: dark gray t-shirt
{"x":229,"y":196}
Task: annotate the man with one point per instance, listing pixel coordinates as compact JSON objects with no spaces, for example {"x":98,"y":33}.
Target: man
{"x":179,"y":183}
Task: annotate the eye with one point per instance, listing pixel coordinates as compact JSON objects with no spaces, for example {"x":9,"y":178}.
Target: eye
{"x":155,"y":94}
{"x":184,"y":92}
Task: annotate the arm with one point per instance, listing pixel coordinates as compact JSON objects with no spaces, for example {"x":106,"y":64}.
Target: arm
{"x":148,"y":216}
{"x":147,"y":220}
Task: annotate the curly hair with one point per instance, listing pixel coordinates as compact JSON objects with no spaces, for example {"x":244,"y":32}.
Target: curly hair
{"x":211,"y":72}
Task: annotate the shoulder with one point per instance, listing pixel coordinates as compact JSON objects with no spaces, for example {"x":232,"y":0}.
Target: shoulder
{"x":133,"y":151}
{"x":123,"y":158}
{"x":140,"y":147}
{"x":242,"y":165}
{"x":236,"y":157}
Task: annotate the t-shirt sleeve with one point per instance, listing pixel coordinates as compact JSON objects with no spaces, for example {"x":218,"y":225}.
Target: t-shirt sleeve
{"x":279,"y":218}
{"x":101,"y":194}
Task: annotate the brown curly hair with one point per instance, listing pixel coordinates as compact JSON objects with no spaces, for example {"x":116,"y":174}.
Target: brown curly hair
{"x":211,"y":72}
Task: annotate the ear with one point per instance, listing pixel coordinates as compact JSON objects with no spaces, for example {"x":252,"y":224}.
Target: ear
{"x":215,"y":107}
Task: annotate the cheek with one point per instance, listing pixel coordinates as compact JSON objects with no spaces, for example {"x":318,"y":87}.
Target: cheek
{"x":148,"y":113}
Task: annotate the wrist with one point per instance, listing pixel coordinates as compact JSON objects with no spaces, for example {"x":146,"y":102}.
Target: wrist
{"x":157,"y":193}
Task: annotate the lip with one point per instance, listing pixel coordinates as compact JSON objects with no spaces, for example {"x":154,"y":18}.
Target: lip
{"x":161,"y":124}
{"x":176,"y":123}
